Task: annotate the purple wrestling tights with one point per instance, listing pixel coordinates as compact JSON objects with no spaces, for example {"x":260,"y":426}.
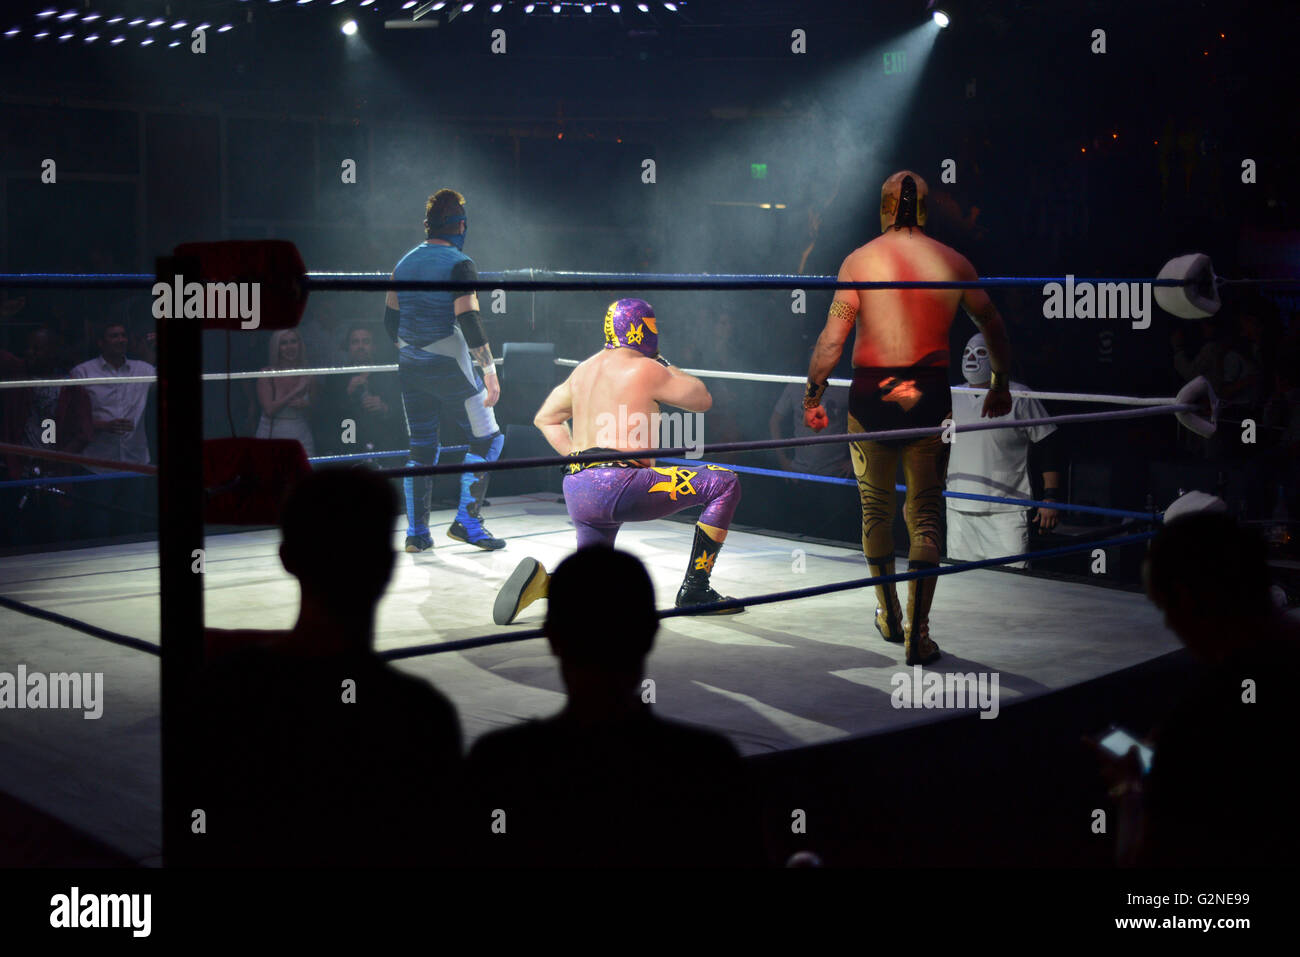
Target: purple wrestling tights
{"x":602,"y":499}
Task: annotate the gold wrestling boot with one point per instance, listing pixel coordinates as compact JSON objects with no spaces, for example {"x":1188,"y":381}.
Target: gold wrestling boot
{"x":527,"y":583}
{"x":889,"y":613}
{"x":917,"y":645}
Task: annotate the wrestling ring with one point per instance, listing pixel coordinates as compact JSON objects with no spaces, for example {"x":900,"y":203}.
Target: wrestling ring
{"x":802,"y":667}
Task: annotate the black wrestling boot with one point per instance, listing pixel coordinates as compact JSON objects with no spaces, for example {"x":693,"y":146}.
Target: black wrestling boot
{"x":696,"y":589}
{"x":889,"y":614}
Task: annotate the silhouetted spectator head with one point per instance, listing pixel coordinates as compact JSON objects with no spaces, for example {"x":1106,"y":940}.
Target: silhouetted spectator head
{"x":804,"y":859}
{"x":338,"y":538}
{"x":601,"y":611}
{"x":1210,"y":577}
{"x":144,"y":343}
{"x":40,"y":350}
{"x":112,"y":339}
{"x":360,"y":345}
{"x":286,"y":350}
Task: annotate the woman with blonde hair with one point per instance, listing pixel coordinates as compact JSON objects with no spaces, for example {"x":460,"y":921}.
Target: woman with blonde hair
{"x":286,"y":400}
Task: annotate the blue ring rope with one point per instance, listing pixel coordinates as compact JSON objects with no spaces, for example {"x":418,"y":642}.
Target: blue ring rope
{"x":571,"y":281}
{"x":972,"y":496}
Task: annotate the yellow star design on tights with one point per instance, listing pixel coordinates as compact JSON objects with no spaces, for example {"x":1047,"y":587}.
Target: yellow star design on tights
{"x":679,"y":480}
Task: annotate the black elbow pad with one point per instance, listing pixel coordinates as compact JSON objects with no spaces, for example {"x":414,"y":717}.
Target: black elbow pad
{"x":472,"y":326}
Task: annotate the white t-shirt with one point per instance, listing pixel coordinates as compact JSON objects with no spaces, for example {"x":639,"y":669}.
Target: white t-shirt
{"x":125,"y":401}
{"x":995,"y":461}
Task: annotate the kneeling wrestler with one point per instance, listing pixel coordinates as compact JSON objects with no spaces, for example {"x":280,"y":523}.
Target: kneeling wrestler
{"x":630,"y":377}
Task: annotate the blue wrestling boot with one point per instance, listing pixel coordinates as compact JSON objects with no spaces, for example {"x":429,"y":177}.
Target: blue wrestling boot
{"x":419,"y":543}
{"x":468,"y":527}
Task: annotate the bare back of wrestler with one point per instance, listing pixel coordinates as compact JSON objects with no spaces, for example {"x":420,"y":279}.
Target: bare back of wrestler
{"x":900,"y":381}
{"x":616,"y":385}
{"x":604,"y":397}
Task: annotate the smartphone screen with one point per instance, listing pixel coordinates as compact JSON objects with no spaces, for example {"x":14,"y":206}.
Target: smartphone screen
{"x":1118,"y":742}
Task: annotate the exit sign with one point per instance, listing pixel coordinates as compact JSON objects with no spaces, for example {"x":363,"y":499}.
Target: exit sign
{"x":758,"y":170}
{"x":895,"y":62}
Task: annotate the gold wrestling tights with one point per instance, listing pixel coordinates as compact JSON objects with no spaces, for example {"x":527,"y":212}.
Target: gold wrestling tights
{"x":925,"y":467}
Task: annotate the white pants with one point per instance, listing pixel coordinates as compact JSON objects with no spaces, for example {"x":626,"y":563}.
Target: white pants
{"x":976,"y":535}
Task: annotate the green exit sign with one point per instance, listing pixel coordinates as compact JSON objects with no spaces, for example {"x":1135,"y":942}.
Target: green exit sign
{"x":758,"y":170}
{"x":895,"y":62}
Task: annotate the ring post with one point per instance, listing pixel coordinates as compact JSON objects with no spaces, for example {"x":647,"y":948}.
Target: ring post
{"x":180,"y":533}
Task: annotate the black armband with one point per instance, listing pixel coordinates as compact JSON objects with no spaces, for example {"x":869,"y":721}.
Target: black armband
{"x":1049,"y":456}
{"x":471,"y":324}
{"x":472,"y":327}
{"x":391,"y":317}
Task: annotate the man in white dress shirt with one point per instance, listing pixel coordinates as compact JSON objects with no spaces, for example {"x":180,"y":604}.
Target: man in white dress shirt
{"x":996,"y":462}
{"x":120,"y":432}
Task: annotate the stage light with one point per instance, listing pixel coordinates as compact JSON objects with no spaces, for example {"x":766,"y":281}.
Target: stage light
{"x":643,"y":8}
{"x":46,"y":14}
{"x":366,"y":3}
{"x":303,"y":3}
{"x":115,"y":20}
{"x":12,"y":32}
{"x":136,"y":22}
{"x":116,"y":40}
{"x":496,"y":7}
{"x":156,"y":23}
{"x":145,"y":42}
{"x":41,"y":36}
{"x":408,"y":4}
{"x":615,"y":8}
{"x":225,"y":28}
{"x":555,"y":8}
{"x":335,"y":3}
{"x":66,"y":36}
{"x":671,"y":7}
{"x":466,"y":7}
{"x":586,"y":8}
{"x":90,"y":18}
{"x":529,"y":8}
{"x":91,"y":39}
{"x":204,"y":26}
{"x":941,"y":18}
{"x":64,"y":17}
{"x":174,"y":43}
{"x":439,"y":5}
{"x":349,"y":28}
{"x":178,"y":24}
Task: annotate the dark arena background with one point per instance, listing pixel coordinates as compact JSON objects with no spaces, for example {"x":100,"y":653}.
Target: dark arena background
{"x":212,"y":664}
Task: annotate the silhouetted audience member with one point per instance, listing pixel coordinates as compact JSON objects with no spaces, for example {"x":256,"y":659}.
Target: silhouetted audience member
{"x":605,"y":782}
{"x":318,"y":753}
{"x":370,"y":401}
{"x":1216,"y":792}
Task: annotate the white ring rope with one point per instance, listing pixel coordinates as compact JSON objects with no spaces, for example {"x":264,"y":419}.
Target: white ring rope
{"x":1018,"y":393}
